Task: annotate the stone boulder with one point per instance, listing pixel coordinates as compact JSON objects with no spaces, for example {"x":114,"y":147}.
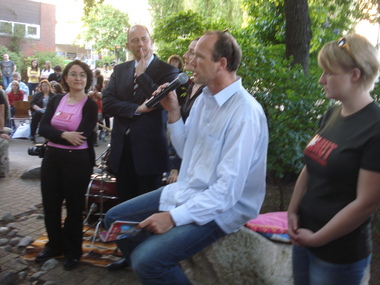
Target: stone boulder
{"x":244,"y":257}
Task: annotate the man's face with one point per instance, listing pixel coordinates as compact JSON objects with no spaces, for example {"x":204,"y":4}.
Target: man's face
{"x":205,"y":68}
{"x":6,"y":57}
{"x":140,"y":43}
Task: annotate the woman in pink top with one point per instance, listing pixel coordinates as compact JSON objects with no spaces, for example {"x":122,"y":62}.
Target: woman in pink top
{"x":67,"y":124}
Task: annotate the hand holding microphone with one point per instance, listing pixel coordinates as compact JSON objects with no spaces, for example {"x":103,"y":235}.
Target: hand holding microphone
{"x":181,"y":79}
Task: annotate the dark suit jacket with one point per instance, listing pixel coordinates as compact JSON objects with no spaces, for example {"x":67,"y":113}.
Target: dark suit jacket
{"x":147,"y":131}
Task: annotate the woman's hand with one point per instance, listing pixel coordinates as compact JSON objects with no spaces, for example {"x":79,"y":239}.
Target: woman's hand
{"x":75,"y":138}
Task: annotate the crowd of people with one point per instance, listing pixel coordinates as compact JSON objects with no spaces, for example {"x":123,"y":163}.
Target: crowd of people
{"x":217,"y":173}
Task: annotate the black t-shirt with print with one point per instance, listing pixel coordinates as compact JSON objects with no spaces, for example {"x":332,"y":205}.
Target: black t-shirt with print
{"x":342,"y":146}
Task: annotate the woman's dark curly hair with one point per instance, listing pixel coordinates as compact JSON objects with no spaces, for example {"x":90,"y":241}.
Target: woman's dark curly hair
{"x":86,"y":69}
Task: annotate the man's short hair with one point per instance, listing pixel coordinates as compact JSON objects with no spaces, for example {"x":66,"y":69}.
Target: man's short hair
{"x":226,"y":46}
{"x":57,"y":68}
{"x":137,"y":26}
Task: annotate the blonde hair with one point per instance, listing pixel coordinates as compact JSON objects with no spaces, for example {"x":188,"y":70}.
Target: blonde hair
{"x":357,"y":52}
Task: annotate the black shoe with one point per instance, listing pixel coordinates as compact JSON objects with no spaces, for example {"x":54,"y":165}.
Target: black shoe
{"x":45,"y":255}
{"x":70,"y":263}
{"x":118,"y":264}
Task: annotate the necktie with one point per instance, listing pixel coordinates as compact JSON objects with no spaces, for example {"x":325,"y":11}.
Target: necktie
{"x":135,"y":85}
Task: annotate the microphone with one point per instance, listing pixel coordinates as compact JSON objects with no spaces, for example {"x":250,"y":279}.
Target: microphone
{"x":181,"y":79}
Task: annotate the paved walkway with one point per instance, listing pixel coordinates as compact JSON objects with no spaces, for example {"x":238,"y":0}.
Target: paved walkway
{"x":22,"y":199}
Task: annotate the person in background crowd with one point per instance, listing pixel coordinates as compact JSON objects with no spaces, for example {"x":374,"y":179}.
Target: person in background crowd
{"x":15,"y":95}
{"x":106,"y":117}
{"x":67,"y":124}
{"x":16,"y":77}
{"x":56,"y":76}
{"x":139,"y":148}
{"x":7,"y":67}
{"x":58,"y":89}
{"x":193,"y":91}
{"x":106,"y":66}
{"x":4,"y":137}
{"x":338,"y":189}
{"x":221,"y":184}
{"x":46,"y":71}
{"x":96,"y":95}
{"x":38,"y":106}
{"x":98,"y":78}
{"x":33,"y":76}
{"x":176,"y":61}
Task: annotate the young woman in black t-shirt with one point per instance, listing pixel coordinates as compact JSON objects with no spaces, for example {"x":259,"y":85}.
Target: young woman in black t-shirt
{"x":339,"y":188}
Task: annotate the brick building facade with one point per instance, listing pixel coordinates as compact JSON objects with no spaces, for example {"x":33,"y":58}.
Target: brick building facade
{"x":38,"y":20}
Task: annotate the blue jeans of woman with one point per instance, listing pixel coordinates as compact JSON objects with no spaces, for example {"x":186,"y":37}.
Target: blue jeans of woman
{"x":154,"y":257}
{"x":310,"y":270}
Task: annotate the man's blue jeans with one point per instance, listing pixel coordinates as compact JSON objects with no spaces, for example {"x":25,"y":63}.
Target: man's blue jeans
{"x":310,"y":270}
{"x":6,"y":81}
{"x":154,"y":257}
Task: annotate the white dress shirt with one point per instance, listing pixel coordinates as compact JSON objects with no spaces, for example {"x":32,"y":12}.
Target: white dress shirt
{"x":223,"y":148}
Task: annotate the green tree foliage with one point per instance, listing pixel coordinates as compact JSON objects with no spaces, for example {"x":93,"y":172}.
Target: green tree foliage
{"x":173,"y":34}
{"x":212,"y":10}
{"x":160,"y":9}
{"x":292,"y":101}
{"x":230,"y":11}
{"x":105,"y":27}
{"x":90,"y":4}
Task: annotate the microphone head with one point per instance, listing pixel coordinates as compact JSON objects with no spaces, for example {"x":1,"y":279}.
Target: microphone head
{"x":183,"y":78}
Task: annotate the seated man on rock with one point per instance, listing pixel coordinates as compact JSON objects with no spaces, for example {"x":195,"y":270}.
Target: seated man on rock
{"x":221,"y":184}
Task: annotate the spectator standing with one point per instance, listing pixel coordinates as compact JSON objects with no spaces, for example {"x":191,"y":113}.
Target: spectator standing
{"x":67,"y":124}
{"x":338,"y":190}
{"x":139,"y":152}
{"x":222,"y":180}
{"x":98,"y":78}
{"x":7,"y":67}
{"x":106,"y":117}
{"x":96,"y":95}
{"x":46,"y":71}
{"x":38,"y":106}
{"x":16,"y":77}
{"x":56,"y":76}
{"x":33,"y":76}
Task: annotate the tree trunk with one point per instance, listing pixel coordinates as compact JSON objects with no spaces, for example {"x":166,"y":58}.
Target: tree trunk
{"x":298,"y":32}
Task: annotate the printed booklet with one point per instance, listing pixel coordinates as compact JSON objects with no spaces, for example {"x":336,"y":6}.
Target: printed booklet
{"x":120,"y":230}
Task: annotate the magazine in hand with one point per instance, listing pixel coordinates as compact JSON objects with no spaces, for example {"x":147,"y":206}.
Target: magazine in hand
{"x":119,"y":230}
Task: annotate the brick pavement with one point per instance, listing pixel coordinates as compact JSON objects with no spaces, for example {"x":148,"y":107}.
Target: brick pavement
{"x":22,"y":199}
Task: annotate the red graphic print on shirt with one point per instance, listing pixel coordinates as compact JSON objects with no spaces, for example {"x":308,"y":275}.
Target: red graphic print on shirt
{"x":63,"y":116}
{"x":319,"y":149}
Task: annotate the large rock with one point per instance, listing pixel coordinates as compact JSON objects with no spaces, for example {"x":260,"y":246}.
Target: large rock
{"x":244,"y":257}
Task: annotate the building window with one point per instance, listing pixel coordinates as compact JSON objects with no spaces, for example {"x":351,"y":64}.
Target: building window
{"x":5,"y":28}
{"x":25,"y":30}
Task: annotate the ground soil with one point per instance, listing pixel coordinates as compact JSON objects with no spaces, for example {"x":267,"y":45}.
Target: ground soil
{"x":273,"y":203}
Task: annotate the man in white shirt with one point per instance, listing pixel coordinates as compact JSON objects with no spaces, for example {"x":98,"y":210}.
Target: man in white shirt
{"x":221,"y":184}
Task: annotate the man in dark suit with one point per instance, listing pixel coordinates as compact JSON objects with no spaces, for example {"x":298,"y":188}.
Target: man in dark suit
{"x":138,"y":144}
